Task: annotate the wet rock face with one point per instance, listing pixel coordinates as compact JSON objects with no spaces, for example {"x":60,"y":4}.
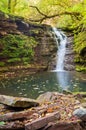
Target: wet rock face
{"x":69,"y":55}
{"x":46,"y":50}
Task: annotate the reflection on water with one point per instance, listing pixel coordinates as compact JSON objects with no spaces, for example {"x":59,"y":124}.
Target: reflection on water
{"x":63,"y":79}
{"x":33,"y":85}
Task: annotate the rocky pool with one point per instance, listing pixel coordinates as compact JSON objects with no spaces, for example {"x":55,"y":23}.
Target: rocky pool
{"x":33,"y":85}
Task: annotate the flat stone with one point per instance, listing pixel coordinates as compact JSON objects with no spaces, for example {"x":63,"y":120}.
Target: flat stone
{"x":63,"y":126}
{"x":42,"y":122}
{"x":80,"y":113}
{"x":17,"y":101}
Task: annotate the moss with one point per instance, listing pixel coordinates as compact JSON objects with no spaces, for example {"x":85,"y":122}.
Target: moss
{"x":2,"y":64}
{"x":80,"y":43}
{"x":81,"y":68}
{"x":16,"y":49}
{"x":80,"y":49}
{"x":13,"y":60}
{"x":79,"y":93}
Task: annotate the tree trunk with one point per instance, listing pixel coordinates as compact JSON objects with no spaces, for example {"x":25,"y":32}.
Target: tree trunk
{"x":14,"y":5}
{"x":9,"y":6}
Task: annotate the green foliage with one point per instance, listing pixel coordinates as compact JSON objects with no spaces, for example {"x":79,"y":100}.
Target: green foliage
{"x":15,"y":7}
{"x":2,"y":123}
{"x":80,"y":49}
{"x":17,"y":48}
{"x":80,"y":41}
{"x":65,"y":22}
{"x":4,"y":5}
{"x":14,"y":60}
{"x":2,"y":64}
{"x":81,"y":68}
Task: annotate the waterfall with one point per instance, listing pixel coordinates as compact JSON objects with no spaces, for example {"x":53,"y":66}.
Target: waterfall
{"x":61,"y":41}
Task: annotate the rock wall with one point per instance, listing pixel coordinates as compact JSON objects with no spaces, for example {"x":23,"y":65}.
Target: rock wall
{"x":69,"y":64}
{"x":46,"y":48}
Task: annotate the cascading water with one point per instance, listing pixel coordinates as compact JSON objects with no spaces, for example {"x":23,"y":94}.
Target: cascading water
{"x":61,"y":40}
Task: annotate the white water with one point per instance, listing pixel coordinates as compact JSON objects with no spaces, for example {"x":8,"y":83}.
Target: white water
{"x":61,"y":40}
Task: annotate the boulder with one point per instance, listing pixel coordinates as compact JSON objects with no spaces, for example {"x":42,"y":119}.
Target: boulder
{"x":48,"y":97}
{"x":17,"y":101}
{"x":80,"y":113}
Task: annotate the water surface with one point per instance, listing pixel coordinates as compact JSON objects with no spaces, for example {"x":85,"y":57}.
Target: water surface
{"x":33,"y":85}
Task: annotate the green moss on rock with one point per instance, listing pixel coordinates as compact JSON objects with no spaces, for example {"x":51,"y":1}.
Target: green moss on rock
{"x":80,"y":49}
{"x":80,"y":68}
{"x":16,"y":48}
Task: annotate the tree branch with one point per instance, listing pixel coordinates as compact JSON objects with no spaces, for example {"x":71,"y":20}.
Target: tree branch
{"x":38,"y":10}
{"x":44,"y":16}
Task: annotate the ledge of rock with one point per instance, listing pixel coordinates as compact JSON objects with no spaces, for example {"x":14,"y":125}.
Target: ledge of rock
{"x":18,"y":101}
{"x":45,"y":50}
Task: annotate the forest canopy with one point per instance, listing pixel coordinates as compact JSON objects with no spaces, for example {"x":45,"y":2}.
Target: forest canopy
{"x":68,"y":12}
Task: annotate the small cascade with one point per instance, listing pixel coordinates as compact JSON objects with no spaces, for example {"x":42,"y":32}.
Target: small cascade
{"x":61,"y":40}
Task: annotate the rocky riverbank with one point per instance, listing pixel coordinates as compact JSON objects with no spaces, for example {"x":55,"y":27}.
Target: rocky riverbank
{"x":50,"y":111}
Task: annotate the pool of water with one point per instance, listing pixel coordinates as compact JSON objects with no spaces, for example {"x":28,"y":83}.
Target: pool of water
{"x":34,"y":85}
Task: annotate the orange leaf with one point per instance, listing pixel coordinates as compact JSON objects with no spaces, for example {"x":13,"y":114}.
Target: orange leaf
{"x":49,"y":110}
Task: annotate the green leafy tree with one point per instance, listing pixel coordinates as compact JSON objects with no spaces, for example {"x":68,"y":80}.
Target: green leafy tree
{"x":15,"y":7}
